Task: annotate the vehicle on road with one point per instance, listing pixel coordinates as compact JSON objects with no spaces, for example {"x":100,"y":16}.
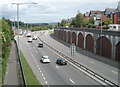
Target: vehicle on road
{"x":61,"y":61}
{"x":30,"y":39}
{"x":45,"y":59}
{"x":35,"y":37}
{"x":28,"y":35}
{"x":40,"y":44}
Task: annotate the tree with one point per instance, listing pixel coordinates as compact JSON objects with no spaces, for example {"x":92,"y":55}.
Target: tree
{"x":63,"y":23}
{"x":107,"y":21}
{"x":91,"y":20}
{"x":85,"y":22}
{"x":79,"y":20}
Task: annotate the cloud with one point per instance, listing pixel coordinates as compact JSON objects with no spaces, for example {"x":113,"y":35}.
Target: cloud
{"x":52,"y":10}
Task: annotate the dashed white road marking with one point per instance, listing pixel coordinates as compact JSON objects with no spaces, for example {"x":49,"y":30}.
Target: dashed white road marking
{"x":57,"y":67}
{"x":115,"y":72}
{"x":36,"y":51}
{"x":40,"y":71}
{"x":44,"y":78}
{"x":39,"y":68}
{"x":46,"y":82}
{"x":92,"y":62}
{"x":72,"y":81}
{"x":33,"y":47}
{"x":42,"y":74}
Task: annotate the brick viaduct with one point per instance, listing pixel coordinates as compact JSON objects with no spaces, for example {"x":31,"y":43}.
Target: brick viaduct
{"x":106,"y":44}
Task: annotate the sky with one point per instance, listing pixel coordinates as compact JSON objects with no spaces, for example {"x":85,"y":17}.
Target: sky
{"x":47,"y":11}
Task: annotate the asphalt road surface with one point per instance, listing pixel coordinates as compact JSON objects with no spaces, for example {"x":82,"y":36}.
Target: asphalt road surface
{"x":52,"y":73}
{"x":99,"y":67}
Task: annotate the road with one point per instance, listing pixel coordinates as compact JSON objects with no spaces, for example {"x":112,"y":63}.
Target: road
{"x":99,"y":67}
{"x":51,"y":73}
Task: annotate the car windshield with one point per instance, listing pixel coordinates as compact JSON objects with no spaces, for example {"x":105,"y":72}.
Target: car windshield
{"x":46,"y":57}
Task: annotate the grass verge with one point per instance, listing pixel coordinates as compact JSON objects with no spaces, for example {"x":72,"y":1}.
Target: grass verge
{"x":31,"y":79}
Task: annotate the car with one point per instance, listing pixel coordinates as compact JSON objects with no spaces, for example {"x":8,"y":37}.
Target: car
{"x":61,"y":61}
{"x":35,"y":37}
{"x":30,"y":39}
{"x":45,"y":59}
{"x":40,"y":44}
{"x":28,"y":35}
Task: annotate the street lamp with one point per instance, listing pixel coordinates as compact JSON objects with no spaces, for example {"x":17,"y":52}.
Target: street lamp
{"x":18,"y":16}
{"x":18,"y":24}
{"x":101,"y":37}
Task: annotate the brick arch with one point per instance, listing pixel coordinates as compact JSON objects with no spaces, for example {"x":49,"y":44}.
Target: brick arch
{"x":69,"y":37}
{"x":117,"y":54}
{"x":64,"y":35}
{"x":89,"y":46}
{"x":74,"y":38}
{"x":80,"y":40}
{"x":103,"y":45}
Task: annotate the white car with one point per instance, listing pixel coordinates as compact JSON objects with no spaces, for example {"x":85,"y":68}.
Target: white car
{"x":28,"y":35}
{"x":30,"y":39}
{"x":35,"y":37}
{"x":45,"y":59}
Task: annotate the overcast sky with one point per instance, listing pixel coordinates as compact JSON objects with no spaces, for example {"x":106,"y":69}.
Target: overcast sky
{"x":51,"y":10}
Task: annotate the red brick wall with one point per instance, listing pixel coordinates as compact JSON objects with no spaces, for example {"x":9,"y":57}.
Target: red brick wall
{"x":115,"y":18}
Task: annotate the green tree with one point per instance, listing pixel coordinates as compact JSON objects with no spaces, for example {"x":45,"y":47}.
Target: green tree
{"x":79,"y":20}
{"x":63,"y":23}
{"x":85,"y":22}
{"x":107,"y":21}
{"x":91,"y":20}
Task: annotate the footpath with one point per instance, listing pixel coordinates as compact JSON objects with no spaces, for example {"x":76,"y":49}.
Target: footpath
{"x":11,"y":77}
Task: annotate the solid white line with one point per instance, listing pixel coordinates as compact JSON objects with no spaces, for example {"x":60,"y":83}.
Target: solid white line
{"x":114,"y":72}
{"x":44,"y":78}
{"x":72,"y":81}
{"x":92,"y":62}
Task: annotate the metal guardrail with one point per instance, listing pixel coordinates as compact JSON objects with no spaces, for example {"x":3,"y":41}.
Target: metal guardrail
{"x":21,"y":68}
{"x":83,"y":67}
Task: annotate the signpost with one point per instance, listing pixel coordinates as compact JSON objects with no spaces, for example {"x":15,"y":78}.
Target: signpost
{"x":72,"y":49}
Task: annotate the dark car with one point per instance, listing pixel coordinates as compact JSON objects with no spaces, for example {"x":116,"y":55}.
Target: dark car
{"x":40,"y":44}
{"x":61,"y":61}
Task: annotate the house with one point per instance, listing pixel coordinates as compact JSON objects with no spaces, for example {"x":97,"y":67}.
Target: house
{"x":116,"y":18}
{"x":108,"y":12}
{"x":86,"y":15}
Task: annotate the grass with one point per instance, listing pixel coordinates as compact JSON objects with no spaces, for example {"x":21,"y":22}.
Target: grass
{"x":31,"y":79}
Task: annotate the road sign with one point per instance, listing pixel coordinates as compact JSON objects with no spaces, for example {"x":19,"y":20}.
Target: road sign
{"x":72,"y":49}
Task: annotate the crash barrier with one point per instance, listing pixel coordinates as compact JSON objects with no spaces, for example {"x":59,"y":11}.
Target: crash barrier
{"x":101,"y":78}
{"x":21,"y":68}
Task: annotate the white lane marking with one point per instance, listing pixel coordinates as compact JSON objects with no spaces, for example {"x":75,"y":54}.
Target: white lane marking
{"x":33,"y":47}
{"x":29,"y":48}
{"x":42,"y":74}
{"x":37,"y":65}
{"x":36,"y":51}
{"x":46,"y":82}
{"x":44,"y":78}
{"x":43,"y":53}
{"x":72,"y":81}
{"x":57,"y":67}
{"x":39,"y":68}
{"x":115,"y":72}
{"x":92,"y":62}
{"x":40,"y":71}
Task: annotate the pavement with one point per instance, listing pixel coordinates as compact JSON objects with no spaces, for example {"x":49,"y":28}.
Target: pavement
{"x":100,"y":65}
{"x":11,"y":77}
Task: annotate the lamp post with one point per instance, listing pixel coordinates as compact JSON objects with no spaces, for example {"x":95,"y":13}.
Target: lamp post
{"x":18,"y":16}
{"x":18,"y":28}
{"x":101,"y":37}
